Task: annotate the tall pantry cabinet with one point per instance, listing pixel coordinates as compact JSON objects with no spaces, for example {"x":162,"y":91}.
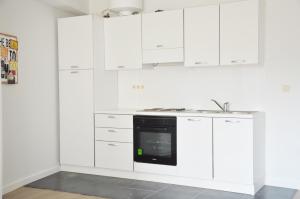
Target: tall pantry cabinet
{"x":81,"y":84}
{"x":75,"y":43}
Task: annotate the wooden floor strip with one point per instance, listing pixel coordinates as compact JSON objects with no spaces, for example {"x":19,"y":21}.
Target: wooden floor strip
{"x":30,"y":193}
{"x":297,"y":196}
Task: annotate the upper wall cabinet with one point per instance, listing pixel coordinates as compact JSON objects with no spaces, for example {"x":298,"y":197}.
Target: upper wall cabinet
{"x":123,"y":42}
{"x":162,"y":34}
{"x":75,"y":42}
{"x":239,"y":32}
{"x":201,"y":36}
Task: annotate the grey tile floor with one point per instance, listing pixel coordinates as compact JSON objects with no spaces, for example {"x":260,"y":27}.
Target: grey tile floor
{"x":117,"y":188}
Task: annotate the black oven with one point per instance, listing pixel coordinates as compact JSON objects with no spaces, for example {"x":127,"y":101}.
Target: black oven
{"x":155,"y":140}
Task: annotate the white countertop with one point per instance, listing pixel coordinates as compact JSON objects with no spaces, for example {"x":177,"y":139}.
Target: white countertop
{"x":187,"y":113}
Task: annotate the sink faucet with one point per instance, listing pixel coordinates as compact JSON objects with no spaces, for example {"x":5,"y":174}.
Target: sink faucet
{"x":224,"y":108}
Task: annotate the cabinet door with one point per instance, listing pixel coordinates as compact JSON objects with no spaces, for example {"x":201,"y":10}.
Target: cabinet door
{"x":75,"y":42}
{"x":163,"y":30}
{"x":201,"y":36}
{"x":239,"y":32}
{"x":233,"y":150}
{"x":76,"y":117}
{"x":123,"y":42}
{"x":195,"y":147}
{"x":114,"y":155}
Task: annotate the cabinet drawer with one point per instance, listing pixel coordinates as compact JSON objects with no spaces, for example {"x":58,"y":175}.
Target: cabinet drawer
{"x":112,"y":155}
{"x":113,"y":121}
{"x":114,"y":135}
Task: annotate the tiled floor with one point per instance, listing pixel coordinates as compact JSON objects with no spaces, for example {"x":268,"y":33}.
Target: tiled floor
{"x":116,"y":188}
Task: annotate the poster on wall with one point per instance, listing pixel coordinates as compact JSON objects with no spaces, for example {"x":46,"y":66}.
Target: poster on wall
{"x":9,"y":59}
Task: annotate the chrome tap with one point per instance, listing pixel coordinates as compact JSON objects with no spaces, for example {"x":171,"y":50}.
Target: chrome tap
{"x":224,"y":108}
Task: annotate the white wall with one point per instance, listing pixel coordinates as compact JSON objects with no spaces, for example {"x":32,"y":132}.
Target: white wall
{"x":97,"y":6}
{"x":246,"y":87}
{"x":30,"y":108}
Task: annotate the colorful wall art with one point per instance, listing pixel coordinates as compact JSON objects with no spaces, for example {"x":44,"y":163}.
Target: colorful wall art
{"x":9,"y":58}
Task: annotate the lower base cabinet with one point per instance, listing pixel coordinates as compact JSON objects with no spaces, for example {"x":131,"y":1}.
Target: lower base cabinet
{"x":195,"y":147}
{"x":114,"y":155}
{"x":114,"y":142}
{"x":233,"y":150}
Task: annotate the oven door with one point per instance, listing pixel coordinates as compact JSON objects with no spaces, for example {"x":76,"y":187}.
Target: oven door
{"x":156,"y":145}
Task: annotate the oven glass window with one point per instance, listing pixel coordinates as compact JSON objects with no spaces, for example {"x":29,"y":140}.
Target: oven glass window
{"x":155,"y":144}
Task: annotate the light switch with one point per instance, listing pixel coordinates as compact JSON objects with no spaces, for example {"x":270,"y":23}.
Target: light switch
{"x":286,"y":88}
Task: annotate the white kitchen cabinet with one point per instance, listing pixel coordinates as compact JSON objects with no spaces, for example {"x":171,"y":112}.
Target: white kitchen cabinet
{"x":195,"y":147}
{"x":75,"y":42}
{"x":233,"y":150}
{"x":162,"y":37}
{"x":76,"y":117}
{"x":239,"y":32}
{"x":123,"y":42}
{"x":114,"y":121}
{"x":114,"y":141}
{"x":201,"y":36}
{"x":114,"y":135}
{"x":114,"y":155}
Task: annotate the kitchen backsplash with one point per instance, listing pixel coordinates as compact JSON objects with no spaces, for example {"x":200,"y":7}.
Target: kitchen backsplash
{"x":192,"y":88}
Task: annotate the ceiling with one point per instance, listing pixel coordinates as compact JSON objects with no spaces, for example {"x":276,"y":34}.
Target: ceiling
{"x":73,"y":6}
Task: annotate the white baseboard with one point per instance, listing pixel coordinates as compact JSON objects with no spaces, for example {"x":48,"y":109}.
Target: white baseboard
{"x":29,"y":179}
{"x":286,"y":183}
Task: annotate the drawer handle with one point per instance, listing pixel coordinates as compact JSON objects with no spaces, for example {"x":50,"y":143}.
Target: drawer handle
{"x":74,"y":66}
{"x":121,"y":67}
{"x":112,"y":131}
{"x":114,"y":145}
{"x":74,"y":72}
{"x":159,"y":46}
{"x":238,"y":61}
{"x":111,"y":117}
{"x":194,"y":120}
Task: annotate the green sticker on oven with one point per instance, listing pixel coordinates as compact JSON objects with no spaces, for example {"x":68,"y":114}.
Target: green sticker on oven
{"x":140,"y":152}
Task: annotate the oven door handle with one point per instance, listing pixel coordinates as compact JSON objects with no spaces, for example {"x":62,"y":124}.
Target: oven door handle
{"x":154,"y":129}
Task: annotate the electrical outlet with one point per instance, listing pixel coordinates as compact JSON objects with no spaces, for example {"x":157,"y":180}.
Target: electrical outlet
{"x":138,"y":87}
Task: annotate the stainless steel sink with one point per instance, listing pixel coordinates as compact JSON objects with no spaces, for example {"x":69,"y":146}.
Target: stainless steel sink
{"x":240,"y":112}
{"x":209,"y":111}
{"x":220,"y":112}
